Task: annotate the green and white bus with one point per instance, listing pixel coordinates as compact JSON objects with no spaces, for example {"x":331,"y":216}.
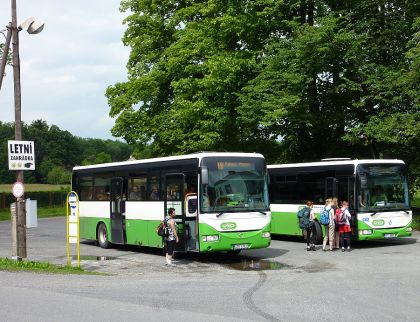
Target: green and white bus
{"x":377,"y":191}
{"x":221,"y":201}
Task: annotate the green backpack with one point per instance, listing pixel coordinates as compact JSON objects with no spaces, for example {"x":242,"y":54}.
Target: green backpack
{"x":303,"y":216}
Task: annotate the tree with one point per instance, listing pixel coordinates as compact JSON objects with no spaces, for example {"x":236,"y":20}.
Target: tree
{"x":101,"y":157}
{"x":58,"y":175}
{"x":188,"y":60}
{"x":340,"y":86}
{"x":297,"y":80}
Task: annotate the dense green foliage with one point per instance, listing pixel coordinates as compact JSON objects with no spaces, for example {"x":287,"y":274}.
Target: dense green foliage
{"x":57,"y":152}
{"x":9,"y":56}
{"x":297,"y":81}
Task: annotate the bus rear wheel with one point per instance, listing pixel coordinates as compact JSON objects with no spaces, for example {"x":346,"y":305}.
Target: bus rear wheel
{"x":102,"y":234}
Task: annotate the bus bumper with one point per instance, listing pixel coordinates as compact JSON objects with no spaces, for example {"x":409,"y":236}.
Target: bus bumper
{"x":212,"y":240}
{"x":369,"y":233}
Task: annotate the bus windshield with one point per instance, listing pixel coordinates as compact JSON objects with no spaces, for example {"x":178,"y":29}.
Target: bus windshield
{"x":234,"y":185}
{"x":382,"y":187}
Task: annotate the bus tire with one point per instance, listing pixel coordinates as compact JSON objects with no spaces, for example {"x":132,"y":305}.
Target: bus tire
{"x":318,"y":233}
{"x":102,"y":235}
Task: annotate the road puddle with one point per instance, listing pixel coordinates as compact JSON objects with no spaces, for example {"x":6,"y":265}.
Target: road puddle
{"x":93,"y":258}
{"x":256,"y":265}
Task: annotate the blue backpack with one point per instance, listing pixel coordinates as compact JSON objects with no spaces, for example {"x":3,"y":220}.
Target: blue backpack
{"x":324,"y":219}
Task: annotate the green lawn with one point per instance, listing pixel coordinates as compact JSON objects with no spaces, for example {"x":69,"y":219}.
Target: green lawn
{"x":42,"y":212}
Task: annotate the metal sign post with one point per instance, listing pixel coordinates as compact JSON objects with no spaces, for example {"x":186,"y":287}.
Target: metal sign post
{"x":73,"y":225}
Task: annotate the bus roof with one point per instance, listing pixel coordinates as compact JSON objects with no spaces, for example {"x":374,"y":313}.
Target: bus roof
{"x":198,"y":155}
{"x":339,"y":162}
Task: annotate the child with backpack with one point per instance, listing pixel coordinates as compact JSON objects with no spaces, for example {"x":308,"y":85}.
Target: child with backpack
{"x":344,"y":219}
{"x":306,"y":218}
{"x":328,"y":223}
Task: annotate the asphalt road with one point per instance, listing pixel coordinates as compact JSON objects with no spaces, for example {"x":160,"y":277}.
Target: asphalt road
{"x":377,"y":281}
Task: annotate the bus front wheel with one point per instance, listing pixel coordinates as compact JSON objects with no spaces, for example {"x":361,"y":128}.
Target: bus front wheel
{"x":103,"y":236}
{"x":317,"y":230}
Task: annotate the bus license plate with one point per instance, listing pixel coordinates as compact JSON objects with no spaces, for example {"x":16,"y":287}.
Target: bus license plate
{"x":240,"y":246}
{"x":389,"y":235}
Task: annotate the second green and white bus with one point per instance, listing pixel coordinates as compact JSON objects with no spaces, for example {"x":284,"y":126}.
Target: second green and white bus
{"x":377,"y":191}
{"x":221,"y":201}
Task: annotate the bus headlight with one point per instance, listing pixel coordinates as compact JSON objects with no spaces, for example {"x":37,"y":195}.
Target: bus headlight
{"x":409,"y":229}
{"x":266,"y":235}
{"x":210,"y":238}
{"x":365,"y":232}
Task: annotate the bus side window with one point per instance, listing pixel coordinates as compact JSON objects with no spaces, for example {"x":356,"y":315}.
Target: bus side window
{"x":153,"y":183}
{"x":137,"y":188}
{"x":85,"y":188}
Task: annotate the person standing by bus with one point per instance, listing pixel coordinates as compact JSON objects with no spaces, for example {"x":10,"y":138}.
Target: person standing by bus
{"x":345,"y":230}
{"x":330,"y":228}
{"x":307,"y":222}
{"x":172,"y":236}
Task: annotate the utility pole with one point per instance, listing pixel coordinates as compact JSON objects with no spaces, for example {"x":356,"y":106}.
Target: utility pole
{"x":18,"y":223}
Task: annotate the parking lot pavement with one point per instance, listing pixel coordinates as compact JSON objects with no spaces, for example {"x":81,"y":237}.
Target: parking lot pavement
{"x":377,"y":281}
{"x":47,"y":243}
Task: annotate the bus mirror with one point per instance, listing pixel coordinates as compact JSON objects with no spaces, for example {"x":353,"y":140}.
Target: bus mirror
{"x":191,"y":206}
{"x":204,"y":175}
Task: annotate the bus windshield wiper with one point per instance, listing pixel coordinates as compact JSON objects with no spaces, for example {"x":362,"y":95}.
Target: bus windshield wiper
{"x":262,"y":212}
{"x":220,"y":213}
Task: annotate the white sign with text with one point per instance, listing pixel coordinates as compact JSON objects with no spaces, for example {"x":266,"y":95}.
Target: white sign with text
{"x":21,"y":155}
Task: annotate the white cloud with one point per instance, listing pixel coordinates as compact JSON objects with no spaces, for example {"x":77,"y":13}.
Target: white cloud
{"x":66,"y":69}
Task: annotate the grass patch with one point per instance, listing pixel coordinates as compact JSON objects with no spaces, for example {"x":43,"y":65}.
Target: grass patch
{"x":35,"y":187}
{"x":43,"y":212}
{"x":415,"y":202}
{"x":11,"y":265}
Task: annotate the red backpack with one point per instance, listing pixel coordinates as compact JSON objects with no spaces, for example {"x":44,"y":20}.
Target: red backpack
{"x":340,"y":217}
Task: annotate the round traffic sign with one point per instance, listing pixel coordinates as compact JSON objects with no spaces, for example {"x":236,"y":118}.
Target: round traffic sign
{"x":18,"y":189}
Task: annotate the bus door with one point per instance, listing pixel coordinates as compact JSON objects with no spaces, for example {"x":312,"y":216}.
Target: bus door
{"x":330,"y":187}
{"x":174,"y":198}
{"x":191,"y":220}
{"x":117,"y":200}
{"x":343,"y":189}
{"x":346,"y":192}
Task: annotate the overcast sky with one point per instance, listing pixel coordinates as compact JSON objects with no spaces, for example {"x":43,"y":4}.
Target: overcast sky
{"x":66,"y":69}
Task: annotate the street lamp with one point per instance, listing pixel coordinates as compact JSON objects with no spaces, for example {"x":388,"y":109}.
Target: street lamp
{"x":19,"y":216}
